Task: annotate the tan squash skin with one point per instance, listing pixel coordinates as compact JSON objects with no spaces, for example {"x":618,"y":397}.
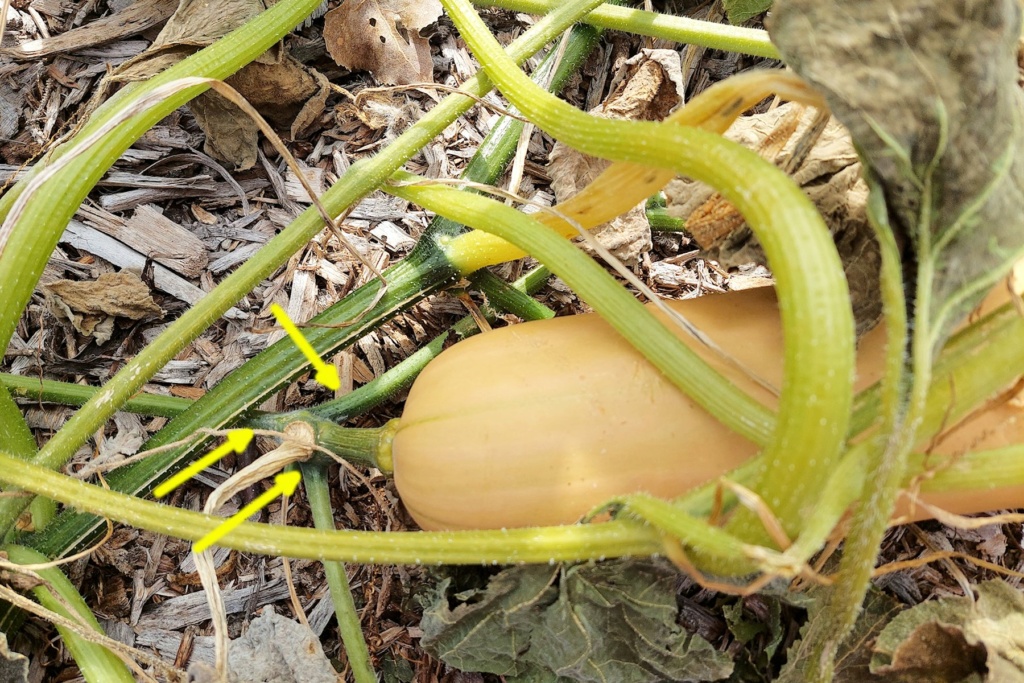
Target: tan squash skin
{"x":535,"y":424}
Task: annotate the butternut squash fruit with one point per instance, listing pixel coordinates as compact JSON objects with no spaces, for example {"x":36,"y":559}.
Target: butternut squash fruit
{"x":535,"y":424}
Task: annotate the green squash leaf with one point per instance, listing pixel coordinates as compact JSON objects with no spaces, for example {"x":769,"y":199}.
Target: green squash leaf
{"x":739,"y":11}
{"x":613,"y":621}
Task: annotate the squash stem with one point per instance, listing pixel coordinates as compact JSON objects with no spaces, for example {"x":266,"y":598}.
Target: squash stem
{"x":510,"y":546}
{"x":97,"y":663}
{"x":905,"y":395}
{"x":512,"y":299}
{"x":314,"y":481}
{"x":68,"y":394}
{"x":679,"y":29}
{"x":16,"y":436}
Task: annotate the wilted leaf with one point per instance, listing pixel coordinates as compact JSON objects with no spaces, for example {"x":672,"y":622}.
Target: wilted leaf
{"x":382,"y":37}
{"x":613,"y":621}
{"x":490,"y":630}
{"x":284,"y":91}
{"x":194,"y":24}
{"x":957,"y":639}
{"x":928,"y":90}
{"x":276,"y":648}
{"x":199,"y":22}
{"x":741,"y":10}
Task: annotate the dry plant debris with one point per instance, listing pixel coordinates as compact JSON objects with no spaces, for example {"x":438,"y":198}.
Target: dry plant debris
{"x":278,"y":85}
{"x":383,"y":37}
{"x":92,"y":306}
{"x":648,"y":87}
{"x":820,"y":157}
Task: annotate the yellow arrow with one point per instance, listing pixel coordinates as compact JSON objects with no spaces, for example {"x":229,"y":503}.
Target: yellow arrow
{"x":325,"y":374}
{"x":284,"y":485}
{"x":238,"y":439}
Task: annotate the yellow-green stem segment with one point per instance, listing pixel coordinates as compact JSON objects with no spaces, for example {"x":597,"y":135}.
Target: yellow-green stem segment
{"x":513,"y":546}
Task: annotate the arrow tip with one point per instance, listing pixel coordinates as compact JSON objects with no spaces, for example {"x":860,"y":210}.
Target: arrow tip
{"x":239,"y":439}
{"x":287,"y":481}
{"x":328,"y":376}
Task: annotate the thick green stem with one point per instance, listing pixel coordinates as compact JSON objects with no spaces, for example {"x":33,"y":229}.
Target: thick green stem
{"x":68,"y":394}
{"x":593,"y":284}
{"x":511,"y":546}
{"x":511,"y":299}
{"x":679,"y":29}
{"x":18,"y":440}
{"x":314,"y":481}
{"x":903,"y":394}
{"x":97,"y":663}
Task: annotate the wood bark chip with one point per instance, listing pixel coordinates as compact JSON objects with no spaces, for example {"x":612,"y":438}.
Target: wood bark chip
{"x":382,"y":37}
{"x":154,"y":235}
{"x":86,"y":238}
{"x":928,"y":90}
{"x":133,"y":19}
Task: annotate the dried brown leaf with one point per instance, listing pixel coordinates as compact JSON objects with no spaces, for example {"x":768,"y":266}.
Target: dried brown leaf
{"x":285,"y":92}
{"x":92,"y":306}
{"x":830,"y":175}
{"x":200,"y":22}
{"x":957,"y":639}
{"x":382,"y":37}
